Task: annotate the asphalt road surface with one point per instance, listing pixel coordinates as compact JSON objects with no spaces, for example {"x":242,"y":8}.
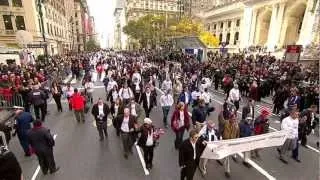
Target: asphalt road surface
{"x":82,"y":156}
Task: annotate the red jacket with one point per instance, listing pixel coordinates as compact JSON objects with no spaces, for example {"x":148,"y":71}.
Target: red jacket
{"x":175,"y":120}
{"x":77,"y":101}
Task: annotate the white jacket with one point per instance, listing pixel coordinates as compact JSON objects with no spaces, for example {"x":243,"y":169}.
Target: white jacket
{"x":234,"y":94}
{"x":291,"y":126}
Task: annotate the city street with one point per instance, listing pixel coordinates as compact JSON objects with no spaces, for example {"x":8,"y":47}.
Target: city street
{"x":82,"y":156}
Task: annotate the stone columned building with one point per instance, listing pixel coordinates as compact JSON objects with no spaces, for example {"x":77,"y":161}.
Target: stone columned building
{"x":272,"y":24}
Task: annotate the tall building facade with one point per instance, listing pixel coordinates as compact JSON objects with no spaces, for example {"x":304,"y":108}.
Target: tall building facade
{"x":59,"y":20}
{"x":128,"y":10}
{"x":137,"y":8}
{"x":81,"y":23}
{"x":271,"y":24}
{"x":120,"y":39}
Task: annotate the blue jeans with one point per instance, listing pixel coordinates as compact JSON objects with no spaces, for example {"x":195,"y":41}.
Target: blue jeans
{"x":179,"y":138}
{"x":165,"y":110}
{"x":295,"y":151}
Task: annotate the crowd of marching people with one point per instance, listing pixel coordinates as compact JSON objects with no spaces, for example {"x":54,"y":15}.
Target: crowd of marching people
{"x":137,"y":82}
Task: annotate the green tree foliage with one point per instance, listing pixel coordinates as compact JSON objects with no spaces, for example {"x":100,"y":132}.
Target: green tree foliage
{"x":92,"y":45}
{"x":151,"y":30}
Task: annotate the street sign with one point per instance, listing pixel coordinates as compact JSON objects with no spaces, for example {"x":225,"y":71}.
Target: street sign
{"x":36,"y":45}
{"x":293,"y":53}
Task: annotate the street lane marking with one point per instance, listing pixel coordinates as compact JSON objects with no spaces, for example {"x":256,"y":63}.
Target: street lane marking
{"x":35,"y":174}
{"x":143,"y":163}
{"x":257,"y":167}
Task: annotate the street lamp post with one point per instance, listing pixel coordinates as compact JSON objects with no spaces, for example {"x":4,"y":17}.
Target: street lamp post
{"x":43,"y":31}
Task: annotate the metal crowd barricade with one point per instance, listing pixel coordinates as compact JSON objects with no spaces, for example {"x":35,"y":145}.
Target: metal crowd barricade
{"x":11,"y":100}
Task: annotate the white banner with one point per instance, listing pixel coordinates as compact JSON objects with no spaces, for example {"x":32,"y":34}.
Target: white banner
{"x":224,"y":148}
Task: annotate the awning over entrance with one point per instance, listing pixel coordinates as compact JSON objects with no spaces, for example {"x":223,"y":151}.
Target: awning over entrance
{"x":189,"y":43}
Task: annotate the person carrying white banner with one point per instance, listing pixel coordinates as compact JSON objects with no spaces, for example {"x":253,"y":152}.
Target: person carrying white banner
{"x":231,"y":131}
{"x":208,"y":133}
{"x":289,"y":124}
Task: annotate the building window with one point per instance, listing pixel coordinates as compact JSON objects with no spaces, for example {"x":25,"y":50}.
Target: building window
{"x":20,"y":23}
{"x":228,"y":38}
{"x":39,"y":25}
{"x":220,"y":38}
{"x":221,"y":25}
{"x":4,"y":2}
{"x":229,"y":24}
{"x":51,"y":30}
{"x":208,"y":27}
{"x":76,"y":14}
{"x":17,"y":3}
{"x":238,"y":22}
{"x":47,"y":26}
{"x":215,"y":26}
{"x":236,"y":38}
{"x":7,"y":22}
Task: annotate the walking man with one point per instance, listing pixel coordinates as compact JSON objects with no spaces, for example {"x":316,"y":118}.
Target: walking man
{"x":166,"y":101}
{"x":23,"y":125}
{"x":188,"y":156}
{"x":42,"y":142}
{"x":38,"y":98}
{"x":77,"y":102}
{"x":100,"y":112}
{"x":126,"y":125}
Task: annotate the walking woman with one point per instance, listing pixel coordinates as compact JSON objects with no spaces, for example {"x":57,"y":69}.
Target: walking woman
{"x":180,"y":121}
{"x":56,"y":91}
{"x":147,"y":141}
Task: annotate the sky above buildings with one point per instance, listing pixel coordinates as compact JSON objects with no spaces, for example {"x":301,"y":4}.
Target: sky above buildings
{"x":102,"y":11}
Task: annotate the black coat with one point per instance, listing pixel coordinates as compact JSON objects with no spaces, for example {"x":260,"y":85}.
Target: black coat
{"x":246,"y":111}
{"x":144,"y":101}
{"x":186,"y":153}
{"x":119,"y":120}
{"x":113,"y":110}
{"x":95,"y":112}
{"x":144,"y":136}
{"x":40,"y":139}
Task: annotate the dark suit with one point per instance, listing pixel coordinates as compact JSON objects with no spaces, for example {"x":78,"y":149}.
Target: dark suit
{"x":148,"y":107}
{"x":42,"y":142}
{"x":101,"y":121}
{"x":246,"y":111}
{"x":128,"y":138}
{"x":187,"y":161}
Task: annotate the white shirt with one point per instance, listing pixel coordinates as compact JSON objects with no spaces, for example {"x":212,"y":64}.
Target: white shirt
{"x":111,"y":84}
{"x":150,"y":139}
{"x":234,"y":94}
{"x":206,"y":97}
{"x":136,"y":76}
{"x":186,"y":95}
{"x":100,"y":107}
{"x":115,"y":95}
{"x":290,"y":125}
{"x":195,"y":95}
{"x":148,"y":99}
{"x":181,"y":119}
{"x":133,"y":110}
{"x":194,"y":150}
{"x":166,"y":100}
{"x":125,"y":124}
{"x":125,"y":93}
{"x":211,"y":133}
{"x":166,"y":85}
{"x":89,"y":86}
{"x":116,"y":108}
